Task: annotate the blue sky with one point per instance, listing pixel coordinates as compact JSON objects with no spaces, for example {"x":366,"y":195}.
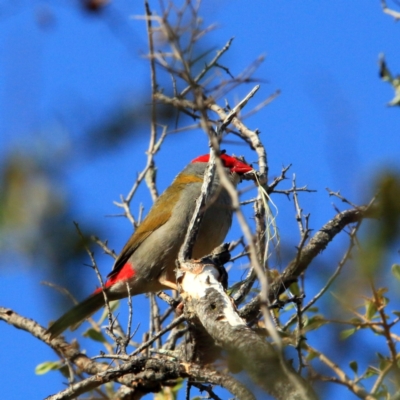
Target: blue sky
{"x":66,"y":75}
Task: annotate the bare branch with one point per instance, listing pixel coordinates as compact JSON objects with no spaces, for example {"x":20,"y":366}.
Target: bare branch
{"x":208,"y":67}
{"x":96,"y":269}
{"x":342,"y":262}
{"x":183,"y":104}
{"x":104,"y":246}
{"x":300,"y":263}
{"x":174,"y":323}
{"x":389,"y":11}
{"x":343,"y":378}
{"x":206,"y":299}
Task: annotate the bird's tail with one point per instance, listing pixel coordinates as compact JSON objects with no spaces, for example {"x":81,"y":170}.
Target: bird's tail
{"x":77,"y":314}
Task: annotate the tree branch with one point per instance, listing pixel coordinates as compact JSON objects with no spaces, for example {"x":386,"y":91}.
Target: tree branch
{"x":302,"y":260}
{"x":207,"y":301}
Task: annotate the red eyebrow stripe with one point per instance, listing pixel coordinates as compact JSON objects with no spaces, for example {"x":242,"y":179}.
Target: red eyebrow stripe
{"x":233,"y":163}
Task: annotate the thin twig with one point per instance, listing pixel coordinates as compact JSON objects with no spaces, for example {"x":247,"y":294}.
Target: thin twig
{"x":260,"y":106}
{"x":183,"y":104}
{"x":96,"y":269}
{"x":236,"y":110}
{"x":155,"y":314}
{"x":147,"y":343}
{"x":104,"y":246}
{"x":343,"y":378}
{"x":389,"y":11}
{"x":61,"y":289}
{"x":207,"y":67}
{"x":339,"y":196}
{"x":328,"y":284}
{"x":185,"y":251}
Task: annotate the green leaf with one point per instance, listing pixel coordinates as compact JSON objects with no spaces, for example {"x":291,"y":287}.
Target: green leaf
{"x":178,"y":386}
{"x":396,"y":99}
{"x":95,"y":335}
{"x":396,"y":271}
{"x":295,"y":289}
{"x":370,"y":310}
{"x":47,"y":366}
{"x":384,"y":72}
{"x":380,"y":356}
{"x":383,"y":393}
{"x":371,"y":372}
{"x":383,"y":361}
{"x":110,"y":390}
{"x":65,"y":371}
{"x":289,"y":306}
{"x":170,"y":393}
{"x":311,"y":355}
{"x":386,"y":76}
{"x":314,"y":322}
{"x":354,"y":366}
{"x":347,"y":333}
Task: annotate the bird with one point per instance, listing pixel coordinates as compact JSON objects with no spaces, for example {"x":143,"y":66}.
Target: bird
{"x":147,"y":261}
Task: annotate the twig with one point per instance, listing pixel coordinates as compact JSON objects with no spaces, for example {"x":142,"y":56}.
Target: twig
{"x":252,"y":135}
{"x":381,"y":376}
{"x":168,"y":299}
{"x":155,"y":315}
{"x":251,"y":277}
{"x":173,"y":337}
{"x":343,"y":378}
{"x":299,"y":336}
{"x":299,"y":264}
{"x":259,"y":216}
{"x":339,"y":196}
{"x":207,"y":67}
{"x":153,"y":126}
{"x":380,"y":305}
{"x":188,"y":387}
{"x":96,"y":269}
{"x":278,"y":179}
{"x":61,"y":289}
{"x":206,"y":388}
{"x":104,"y":246}
{"x":319,"y":241}
{"x":185,"y":251}
{"x":235,"y":111}
{"x":174,"y":323}
{"x":387,"y":10}
{"x":154,"y":147}
{"x":298,"y":189}
{"x":338,"y":269}
{"x":129,"y":327}
{"x":260,"y":106}
{"x":253,"y":254}
{"x":220,"y":90}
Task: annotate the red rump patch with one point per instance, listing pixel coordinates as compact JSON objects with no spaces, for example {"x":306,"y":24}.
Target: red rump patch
{"x":234,"y":164}
{"x":125,"y":273}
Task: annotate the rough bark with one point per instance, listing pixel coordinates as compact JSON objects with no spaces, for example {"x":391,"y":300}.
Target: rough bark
{"x":206,"y":300}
